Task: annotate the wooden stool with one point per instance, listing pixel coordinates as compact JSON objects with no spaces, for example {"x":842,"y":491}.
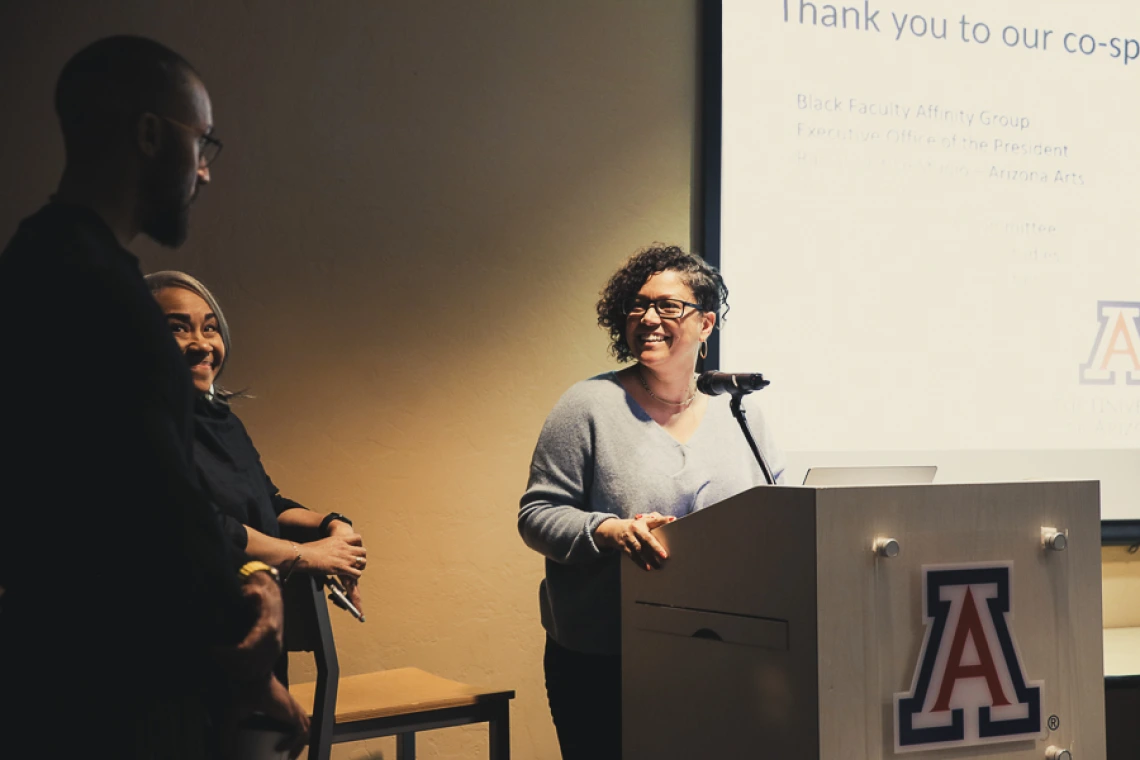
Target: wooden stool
{"x":403,"y":701}
{"x":396,"y":702}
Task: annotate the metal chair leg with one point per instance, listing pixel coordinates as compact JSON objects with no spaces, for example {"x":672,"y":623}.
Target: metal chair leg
{"x":406,"y":746}
{"x":499,"y":732}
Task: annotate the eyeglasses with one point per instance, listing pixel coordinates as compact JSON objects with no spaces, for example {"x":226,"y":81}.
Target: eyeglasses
{"x":667,"y":308}
{"x":208,"y":146}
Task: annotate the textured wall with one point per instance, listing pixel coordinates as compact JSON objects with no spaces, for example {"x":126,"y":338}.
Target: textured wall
{"x":414,"y":211}
{"x":1121,"y":587}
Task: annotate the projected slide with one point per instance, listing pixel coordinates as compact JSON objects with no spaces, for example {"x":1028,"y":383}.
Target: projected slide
{"x":930,"y":223}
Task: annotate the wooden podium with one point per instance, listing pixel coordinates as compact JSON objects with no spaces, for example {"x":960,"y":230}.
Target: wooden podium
{"x":786,"y":625}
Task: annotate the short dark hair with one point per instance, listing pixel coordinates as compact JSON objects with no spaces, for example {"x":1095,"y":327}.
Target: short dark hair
{"x":108,"y":84}
{"x":702,"y":278}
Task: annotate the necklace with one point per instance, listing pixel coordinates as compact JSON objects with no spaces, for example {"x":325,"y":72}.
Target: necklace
{"x":645,"y":385}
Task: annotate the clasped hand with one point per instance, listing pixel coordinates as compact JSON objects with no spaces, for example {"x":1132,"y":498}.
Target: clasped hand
{"x":247,"y":667}
{"x":336,"y":555}
{"x":252,"y":658}
{"x":634,"y":537}
{"x":341,"y":554}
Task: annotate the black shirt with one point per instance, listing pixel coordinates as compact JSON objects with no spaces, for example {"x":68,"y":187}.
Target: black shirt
{"x":232,"y":475}
{"x":116,"y":579}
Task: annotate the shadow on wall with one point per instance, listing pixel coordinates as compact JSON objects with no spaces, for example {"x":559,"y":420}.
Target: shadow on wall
{"x":415,"y":210}
{"x":435,"y":188}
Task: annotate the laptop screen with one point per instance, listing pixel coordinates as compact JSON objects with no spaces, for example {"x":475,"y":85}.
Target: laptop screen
{"x":870,"y":476}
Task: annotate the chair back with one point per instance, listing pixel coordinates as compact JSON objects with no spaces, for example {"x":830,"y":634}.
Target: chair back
{"x":308,"y":629}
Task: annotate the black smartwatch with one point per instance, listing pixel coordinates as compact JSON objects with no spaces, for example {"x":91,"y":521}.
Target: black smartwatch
{"x":329,"y":518}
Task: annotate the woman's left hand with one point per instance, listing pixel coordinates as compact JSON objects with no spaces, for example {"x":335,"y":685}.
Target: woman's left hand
{"x":334,"y":556}
{"x":351,"y":585}
{"x":343,"y":530}
{"x":635,"y":538}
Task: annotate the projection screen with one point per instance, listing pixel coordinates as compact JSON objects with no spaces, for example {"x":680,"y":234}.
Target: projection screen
{"x":928,"y":225}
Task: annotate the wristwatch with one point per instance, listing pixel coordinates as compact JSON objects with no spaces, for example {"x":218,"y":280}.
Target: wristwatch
{"x":257,"y":566}
{"x":333,"y":516}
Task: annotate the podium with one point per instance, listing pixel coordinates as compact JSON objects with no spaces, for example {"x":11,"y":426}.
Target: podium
{"x":787,"y":624}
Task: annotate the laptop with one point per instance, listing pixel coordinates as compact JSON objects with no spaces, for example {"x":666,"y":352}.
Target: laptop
{"x":908,"y":475}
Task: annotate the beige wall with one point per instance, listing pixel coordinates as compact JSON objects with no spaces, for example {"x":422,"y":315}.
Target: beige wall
{"x":1121,"y":574}
{"x":415,"y":208}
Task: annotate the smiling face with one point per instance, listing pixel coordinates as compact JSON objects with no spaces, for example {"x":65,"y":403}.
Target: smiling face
{"x":195,"y":328}
{"x":663,"y":344}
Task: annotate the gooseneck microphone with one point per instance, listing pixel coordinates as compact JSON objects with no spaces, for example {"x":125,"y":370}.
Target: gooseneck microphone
{"x":736,"y":383}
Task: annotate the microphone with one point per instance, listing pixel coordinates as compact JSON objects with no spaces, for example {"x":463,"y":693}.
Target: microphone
{"x":736,"y":383}
{"x":338,"y":595}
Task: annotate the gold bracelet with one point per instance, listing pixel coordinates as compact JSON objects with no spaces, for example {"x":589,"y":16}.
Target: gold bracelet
{"x":293,"y":564}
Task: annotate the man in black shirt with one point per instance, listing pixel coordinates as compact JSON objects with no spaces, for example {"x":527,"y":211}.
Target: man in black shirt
{"x":126,"y":629}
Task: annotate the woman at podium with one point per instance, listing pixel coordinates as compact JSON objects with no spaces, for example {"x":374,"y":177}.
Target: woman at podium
{"x":620,"y":454}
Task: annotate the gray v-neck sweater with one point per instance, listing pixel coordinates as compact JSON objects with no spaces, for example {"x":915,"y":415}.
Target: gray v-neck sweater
{"x":601,"y":455}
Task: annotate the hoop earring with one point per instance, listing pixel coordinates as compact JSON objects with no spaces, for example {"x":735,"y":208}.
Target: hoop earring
{"x":704,"y":354}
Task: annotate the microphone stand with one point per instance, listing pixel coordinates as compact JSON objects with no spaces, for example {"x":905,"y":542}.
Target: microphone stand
{"x":738,"y":412}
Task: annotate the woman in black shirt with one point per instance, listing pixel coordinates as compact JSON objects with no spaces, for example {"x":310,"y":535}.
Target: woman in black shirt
{"x":251,"y":509}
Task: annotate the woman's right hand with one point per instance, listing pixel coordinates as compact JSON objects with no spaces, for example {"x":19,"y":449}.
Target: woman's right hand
{"x":634,"y":537}
{"x":335,"y":555}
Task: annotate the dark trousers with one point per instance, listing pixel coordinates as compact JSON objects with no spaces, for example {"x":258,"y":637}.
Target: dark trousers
{"x":584,"y":692}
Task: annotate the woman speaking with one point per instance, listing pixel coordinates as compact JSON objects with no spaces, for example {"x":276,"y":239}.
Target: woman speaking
{"x":623,"y":453}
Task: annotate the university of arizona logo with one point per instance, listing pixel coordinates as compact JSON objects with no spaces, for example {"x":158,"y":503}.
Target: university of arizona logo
{"x":1115,"y":356}
{"x":969,"y":686}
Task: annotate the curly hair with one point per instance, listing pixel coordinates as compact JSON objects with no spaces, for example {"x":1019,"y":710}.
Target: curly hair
{"x":703,"y":278}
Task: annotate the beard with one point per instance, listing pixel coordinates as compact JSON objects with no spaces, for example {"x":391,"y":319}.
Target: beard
{"x":169,"y":229}
{"x":167,"y":199}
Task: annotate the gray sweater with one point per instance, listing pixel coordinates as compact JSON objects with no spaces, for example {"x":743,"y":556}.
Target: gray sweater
{"x":600,"y":455}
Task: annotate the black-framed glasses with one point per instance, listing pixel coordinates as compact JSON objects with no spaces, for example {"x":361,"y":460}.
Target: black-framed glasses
{"x":667,"y":308}
{"x":208,"y":146}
